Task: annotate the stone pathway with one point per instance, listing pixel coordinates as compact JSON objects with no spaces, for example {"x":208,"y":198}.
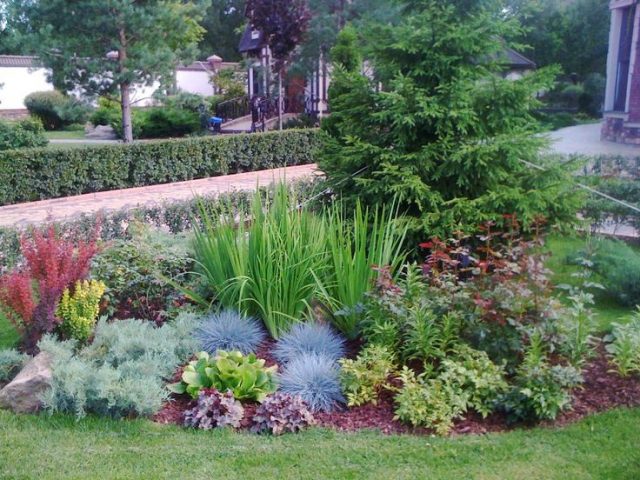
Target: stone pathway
{"x":24,"y":214}
{"x":585,"y":140}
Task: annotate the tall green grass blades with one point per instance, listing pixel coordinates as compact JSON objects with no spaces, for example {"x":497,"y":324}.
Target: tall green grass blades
{"x":355,"y":245}
{"x":264,"y":265}
{"x":221,"y":251}
{"x":286,"y":252}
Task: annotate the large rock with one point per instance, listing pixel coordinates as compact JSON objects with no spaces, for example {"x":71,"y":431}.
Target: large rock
{"x":23,"y":394}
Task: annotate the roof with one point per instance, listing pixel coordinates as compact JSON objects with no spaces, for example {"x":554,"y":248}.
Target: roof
{"x":250,"y":42}
{"x":204,"y":66}
{"x":517,"y":61}
{"x":24,"y":61}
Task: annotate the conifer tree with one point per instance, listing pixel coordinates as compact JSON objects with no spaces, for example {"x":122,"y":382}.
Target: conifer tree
{"x":100,"y":46}
{"x":447,"y":134}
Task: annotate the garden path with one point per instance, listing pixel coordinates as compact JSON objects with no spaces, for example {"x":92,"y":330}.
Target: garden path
{"x":23,"y":214}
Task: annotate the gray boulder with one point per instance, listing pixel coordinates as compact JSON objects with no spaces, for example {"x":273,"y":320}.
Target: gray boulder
{"x":23,"y":393}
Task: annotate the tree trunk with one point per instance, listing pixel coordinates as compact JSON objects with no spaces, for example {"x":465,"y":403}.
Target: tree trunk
{"x":125,"y":102}
{"x":125,"y":87}
{"x":280,"y":100}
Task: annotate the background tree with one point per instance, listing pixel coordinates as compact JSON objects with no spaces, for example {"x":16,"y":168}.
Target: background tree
{"x":103,"y":46}
{"x":328,"y":17}
{"x":571,"y":33}
{"x":283,"y":24}
{"x":223,"y":24}
{"x":446,"y":135}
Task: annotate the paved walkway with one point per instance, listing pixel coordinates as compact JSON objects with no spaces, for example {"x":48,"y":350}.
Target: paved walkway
{"x":585,"y":140}
{"x":23,"y":214}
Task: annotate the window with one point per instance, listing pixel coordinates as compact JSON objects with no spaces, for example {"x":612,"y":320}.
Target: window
{"x":624,"y":58}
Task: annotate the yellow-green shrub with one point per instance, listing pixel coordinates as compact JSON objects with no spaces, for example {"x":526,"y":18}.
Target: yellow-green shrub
{"x":79,"y":310}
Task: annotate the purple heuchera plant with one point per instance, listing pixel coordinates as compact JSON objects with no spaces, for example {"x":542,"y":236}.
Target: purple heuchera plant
{"x":281,"y":413}
{"x":214,"y":410}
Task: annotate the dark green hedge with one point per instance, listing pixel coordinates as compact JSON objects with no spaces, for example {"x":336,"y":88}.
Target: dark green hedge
{"x":41,"y":173}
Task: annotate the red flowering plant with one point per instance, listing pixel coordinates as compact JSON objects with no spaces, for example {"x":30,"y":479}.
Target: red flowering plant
{"x":29,"y":295}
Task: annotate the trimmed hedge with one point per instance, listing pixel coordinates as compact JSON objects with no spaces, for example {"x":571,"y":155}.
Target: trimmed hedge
{"x":40,"y":173}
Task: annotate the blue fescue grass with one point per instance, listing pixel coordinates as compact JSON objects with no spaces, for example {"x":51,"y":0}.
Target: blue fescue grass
{"x":229,"y":330}
{"x":309,"y":338}
{"x":315,"y":379}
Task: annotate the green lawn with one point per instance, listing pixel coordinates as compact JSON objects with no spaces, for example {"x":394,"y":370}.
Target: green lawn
{"x":8,"y":334}
{"x":65,"y":135}
{"x":607,"y":309}
{"x":605,"y":446}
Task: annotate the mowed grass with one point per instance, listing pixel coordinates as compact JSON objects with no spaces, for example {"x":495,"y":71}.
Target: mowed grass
{"x":607,"y":309}
{"x":65,"y":135}
{"x":8,"y":334}
{"x":605,"y":446}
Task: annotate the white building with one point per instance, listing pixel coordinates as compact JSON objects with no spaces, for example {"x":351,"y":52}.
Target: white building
{"x":22,"y":75}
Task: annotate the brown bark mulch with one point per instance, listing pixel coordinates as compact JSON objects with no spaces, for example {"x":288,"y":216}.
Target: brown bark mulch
{"x":603,"y":389}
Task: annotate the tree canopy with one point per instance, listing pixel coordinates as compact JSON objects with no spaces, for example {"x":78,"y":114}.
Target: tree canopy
{"x":100,"y":46}
{"x":223,"y":24}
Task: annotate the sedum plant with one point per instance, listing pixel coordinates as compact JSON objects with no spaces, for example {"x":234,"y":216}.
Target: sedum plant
{"x":310,"y":338}
{"x":245,"y":376}
{"x":281,"y":413}
{"x":214,"y":410}
{"x":79,"y":310}
{"x":623,"y":346}
{"x":363,"y":378}
{"x":231,"y":331}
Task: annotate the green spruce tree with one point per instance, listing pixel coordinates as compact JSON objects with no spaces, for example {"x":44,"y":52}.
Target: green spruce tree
{"x":446,"y":135}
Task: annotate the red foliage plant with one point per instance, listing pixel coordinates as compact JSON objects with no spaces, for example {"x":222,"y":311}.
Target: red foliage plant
{"x":31,"y":294}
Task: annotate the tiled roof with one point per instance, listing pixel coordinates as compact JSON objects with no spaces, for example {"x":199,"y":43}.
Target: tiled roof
{"x":18,"y":61}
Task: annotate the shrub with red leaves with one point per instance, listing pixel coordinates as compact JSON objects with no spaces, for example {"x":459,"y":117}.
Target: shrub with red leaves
{"x":30,"y":295}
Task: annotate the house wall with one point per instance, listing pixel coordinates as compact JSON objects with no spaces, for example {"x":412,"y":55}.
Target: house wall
{"x":623,"y":126}
{"x":20,"y":82}
{"x":195,"y":82}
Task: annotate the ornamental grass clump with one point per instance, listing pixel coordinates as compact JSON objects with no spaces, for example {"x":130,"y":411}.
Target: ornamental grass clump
{"x":231,"y":331}
{"x":354,"y":245}
{"x":214,"y":410}
{"x":281,"y":413}
{"x":264,"y":265}
{"x":309,"y":338}
{"x":314,"y":378}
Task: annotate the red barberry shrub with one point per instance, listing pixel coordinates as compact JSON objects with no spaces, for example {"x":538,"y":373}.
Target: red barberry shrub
{"x":30,"y":294}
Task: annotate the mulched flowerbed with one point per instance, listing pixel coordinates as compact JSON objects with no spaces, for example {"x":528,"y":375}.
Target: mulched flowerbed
{"x":602,"y":390}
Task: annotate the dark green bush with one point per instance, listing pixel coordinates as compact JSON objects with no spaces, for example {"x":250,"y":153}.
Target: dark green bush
{"x":107,"y":112}
{"x":27,"y":133}
{"x":55,"y":109}
{"x":163,"y":122}
{"x":36,"y":174}
{"x":619,"y":266}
